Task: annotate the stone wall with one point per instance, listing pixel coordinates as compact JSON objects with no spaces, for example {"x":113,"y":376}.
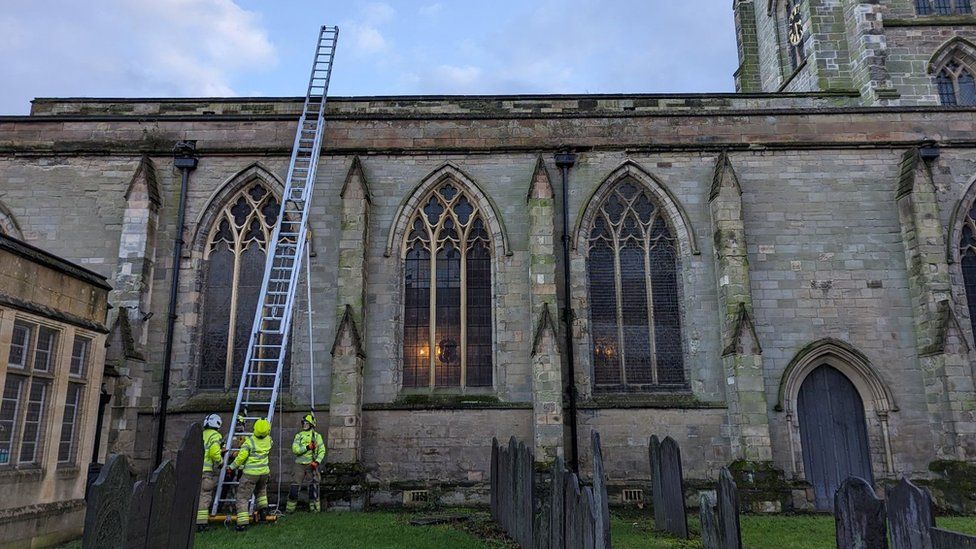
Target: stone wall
{"x":824,"y":251}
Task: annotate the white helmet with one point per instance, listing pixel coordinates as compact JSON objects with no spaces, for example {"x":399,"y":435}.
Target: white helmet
{"x":212,"y":421}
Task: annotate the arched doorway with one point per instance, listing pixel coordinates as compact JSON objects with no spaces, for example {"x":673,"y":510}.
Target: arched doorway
{"x":833,"y":433}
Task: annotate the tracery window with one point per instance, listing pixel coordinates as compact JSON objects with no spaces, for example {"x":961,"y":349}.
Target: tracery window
{"x":967,"y":254}
{"x":447,"y":336}
{"x":234,"y":260}
{"x":943,"y":7}
{"x":794,"y":33}
{"x":632,"y":270}
{"x":956,"y":84}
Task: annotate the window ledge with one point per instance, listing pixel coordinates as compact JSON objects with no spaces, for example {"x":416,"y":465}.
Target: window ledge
{"x":660,"y":400}
{"x":448,"y":401}
{"x":214,"y":401}
{"x":68,"y":471}
{"x":18,"y":475}
{"x":932,"y":20}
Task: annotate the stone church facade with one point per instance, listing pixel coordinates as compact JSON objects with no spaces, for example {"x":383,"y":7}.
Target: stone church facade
{"x":767,"y":276}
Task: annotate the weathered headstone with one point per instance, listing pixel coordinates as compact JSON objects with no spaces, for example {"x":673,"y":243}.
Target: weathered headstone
{"x":600,"y":503}
{"x":571,"y":523}
{"x":189,"y":475}
{"x":657,"y":490}
{"x":910,"y":516}
{"x":944,"y":539}
{"x":162,"y":485}
{"x":588,"y":522}
{"x":494,"y":478}
{"x":709,"y":521}
{"x":139,"y":507}
{"x":728,"y":511}
{"x":859,"y":516}
{"x":673,"y":489}
{"x":107,"y":515}
{"x":557,"y":504}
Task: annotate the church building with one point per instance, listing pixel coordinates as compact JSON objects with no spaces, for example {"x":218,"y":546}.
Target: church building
{"x":781,"y":278}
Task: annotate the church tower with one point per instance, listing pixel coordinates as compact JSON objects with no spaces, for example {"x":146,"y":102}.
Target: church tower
{"x":887,"y":52}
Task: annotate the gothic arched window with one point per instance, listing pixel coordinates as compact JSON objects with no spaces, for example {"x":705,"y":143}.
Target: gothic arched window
{"x":447,"y":293}
{"x":234,"y":260}
{"x":967,"y":256}
{"x":956,"y":84}
{"x":632,"y":270}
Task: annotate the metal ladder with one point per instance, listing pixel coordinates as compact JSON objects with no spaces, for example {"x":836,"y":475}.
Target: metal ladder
{"x":267,"y":347}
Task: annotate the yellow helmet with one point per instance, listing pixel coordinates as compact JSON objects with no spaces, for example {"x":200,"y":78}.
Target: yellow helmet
{"x":262,"y":428}
{"x":310,"y":419}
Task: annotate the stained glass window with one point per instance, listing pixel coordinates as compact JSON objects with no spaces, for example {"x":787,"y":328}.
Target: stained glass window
{"x":956,"y":85}
{"x":233,"y":272}
{"x":967,"y":252}
{"x":635,"y":322}
{"x":447,"y":294}
{"x":943,"y":7}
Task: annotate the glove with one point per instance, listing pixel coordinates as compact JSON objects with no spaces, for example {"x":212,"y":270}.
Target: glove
{"x":314,"y":465}
{"x":310,"y":446}
{"x":229,"y":475}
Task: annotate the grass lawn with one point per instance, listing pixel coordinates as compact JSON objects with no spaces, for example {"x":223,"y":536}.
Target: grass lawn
{"x":352,"y":530}
{"x":630,"y":530}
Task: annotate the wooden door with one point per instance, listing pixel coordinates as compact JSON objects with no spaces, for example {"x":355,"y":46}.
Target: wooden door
{"x":833,"y":433}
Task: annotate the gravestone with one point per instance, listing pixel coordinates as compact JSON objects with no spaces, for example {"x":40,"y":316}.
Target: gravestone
{"x":189,"y":475}
{"x":571,"y":523}
{"x":139,"y":507}
{"x":589,"y":533}
{"x":727,"y":500}
{"x":657,"y":490}
{"x":910,"y":516}
{"x":601,"y":505}
{"x":162,"y":486}
{"x":494,"y":478}
{"x":944,"y":539}
{"x":709,"y":521}
{"x":107,"y":514}
{"x":673,"y":489}
{"x":859,"y":516}
{"x":556,"y":504}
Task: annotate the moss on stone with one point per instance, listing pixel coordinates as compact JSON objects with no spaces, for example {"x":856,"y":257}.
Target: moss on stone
{"x":761,"y":482}
{"x":954,"y":491}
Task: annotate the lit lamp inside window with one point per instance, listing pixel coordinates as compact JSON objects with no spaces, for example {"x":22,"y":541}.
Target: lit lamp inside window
{"x":423,"y":351}
{"x":447,"y":351}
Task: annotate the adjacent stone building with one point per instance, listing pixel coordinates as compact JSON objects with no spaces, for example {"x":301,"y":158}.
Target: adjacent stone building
{"x":783,"y":277}
{"x":52,"y":340}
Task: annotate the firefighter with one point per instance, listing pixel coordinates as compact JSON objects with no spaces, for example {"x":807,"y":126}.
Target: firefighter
{"x":309,"y":450}
{"x":212,"y":460}
{"x":252,"y":459}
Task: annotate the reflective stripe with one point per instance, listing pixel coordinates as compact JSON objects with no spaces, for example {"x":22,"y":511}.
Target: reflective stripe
{"x":210,"y":439}
{"x":303,"y":455}
{"x":258,"y":451}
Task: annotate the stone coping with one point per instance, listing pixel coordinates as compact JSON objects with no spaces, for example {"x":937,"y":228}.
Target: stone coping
{"x":48,"y":312}
{"x":47,"y":259}
{"x":436,"y":105}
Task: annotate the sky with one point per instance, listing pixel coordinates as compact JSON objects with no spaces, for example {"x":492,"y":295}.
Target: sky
{"x":186,"y":48}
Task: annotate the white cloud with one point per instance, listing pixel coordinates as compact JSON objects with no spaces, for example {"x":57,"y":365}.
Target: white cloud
{"x":364,"y":30}
{"x":431,"y":10}
{"x":125,"y":48}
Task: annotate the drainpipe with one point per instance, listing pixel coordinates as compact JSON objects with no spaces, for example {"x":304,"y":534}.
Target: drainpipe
{"x":184,"y":159}
{"x":564,"y":161}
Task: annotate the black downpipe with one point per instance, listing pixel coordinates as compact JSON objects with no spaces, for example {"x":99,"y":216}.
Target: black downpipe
{"x":184,"y":159}
{"x":565,"y":160}
{"x":103,"y":399}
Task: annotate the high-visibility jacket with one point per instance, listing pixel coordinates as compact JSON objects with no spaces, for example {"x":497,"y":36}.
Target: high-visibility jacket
{"x":212,"y":441}
{"x":253,"y":456}
{"x":300,"y":447}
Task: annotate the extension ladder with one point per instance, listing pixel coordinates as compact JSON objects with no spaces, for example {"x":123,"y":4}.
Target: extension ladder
{"x":267,"y":347}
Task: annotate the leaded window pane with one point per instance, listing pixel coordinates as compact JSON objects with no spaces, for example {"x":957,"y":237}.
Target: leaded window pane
{"x":956,"y":85}
{"x":635,"y":321}
{"x":79,"y":356}
{"x":967,"y":88}
{"x":454,"y":348}
{"x":923,"y":7}
{"x":943,"y":7}
{"x":33,"y":421}
{"x":967,"y":250}
{"x":69,"y":420}
{"x":10,"y":408}
{"x":47,"y":340}
{"x":19,"y":345}
{"x":233,"y":273}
